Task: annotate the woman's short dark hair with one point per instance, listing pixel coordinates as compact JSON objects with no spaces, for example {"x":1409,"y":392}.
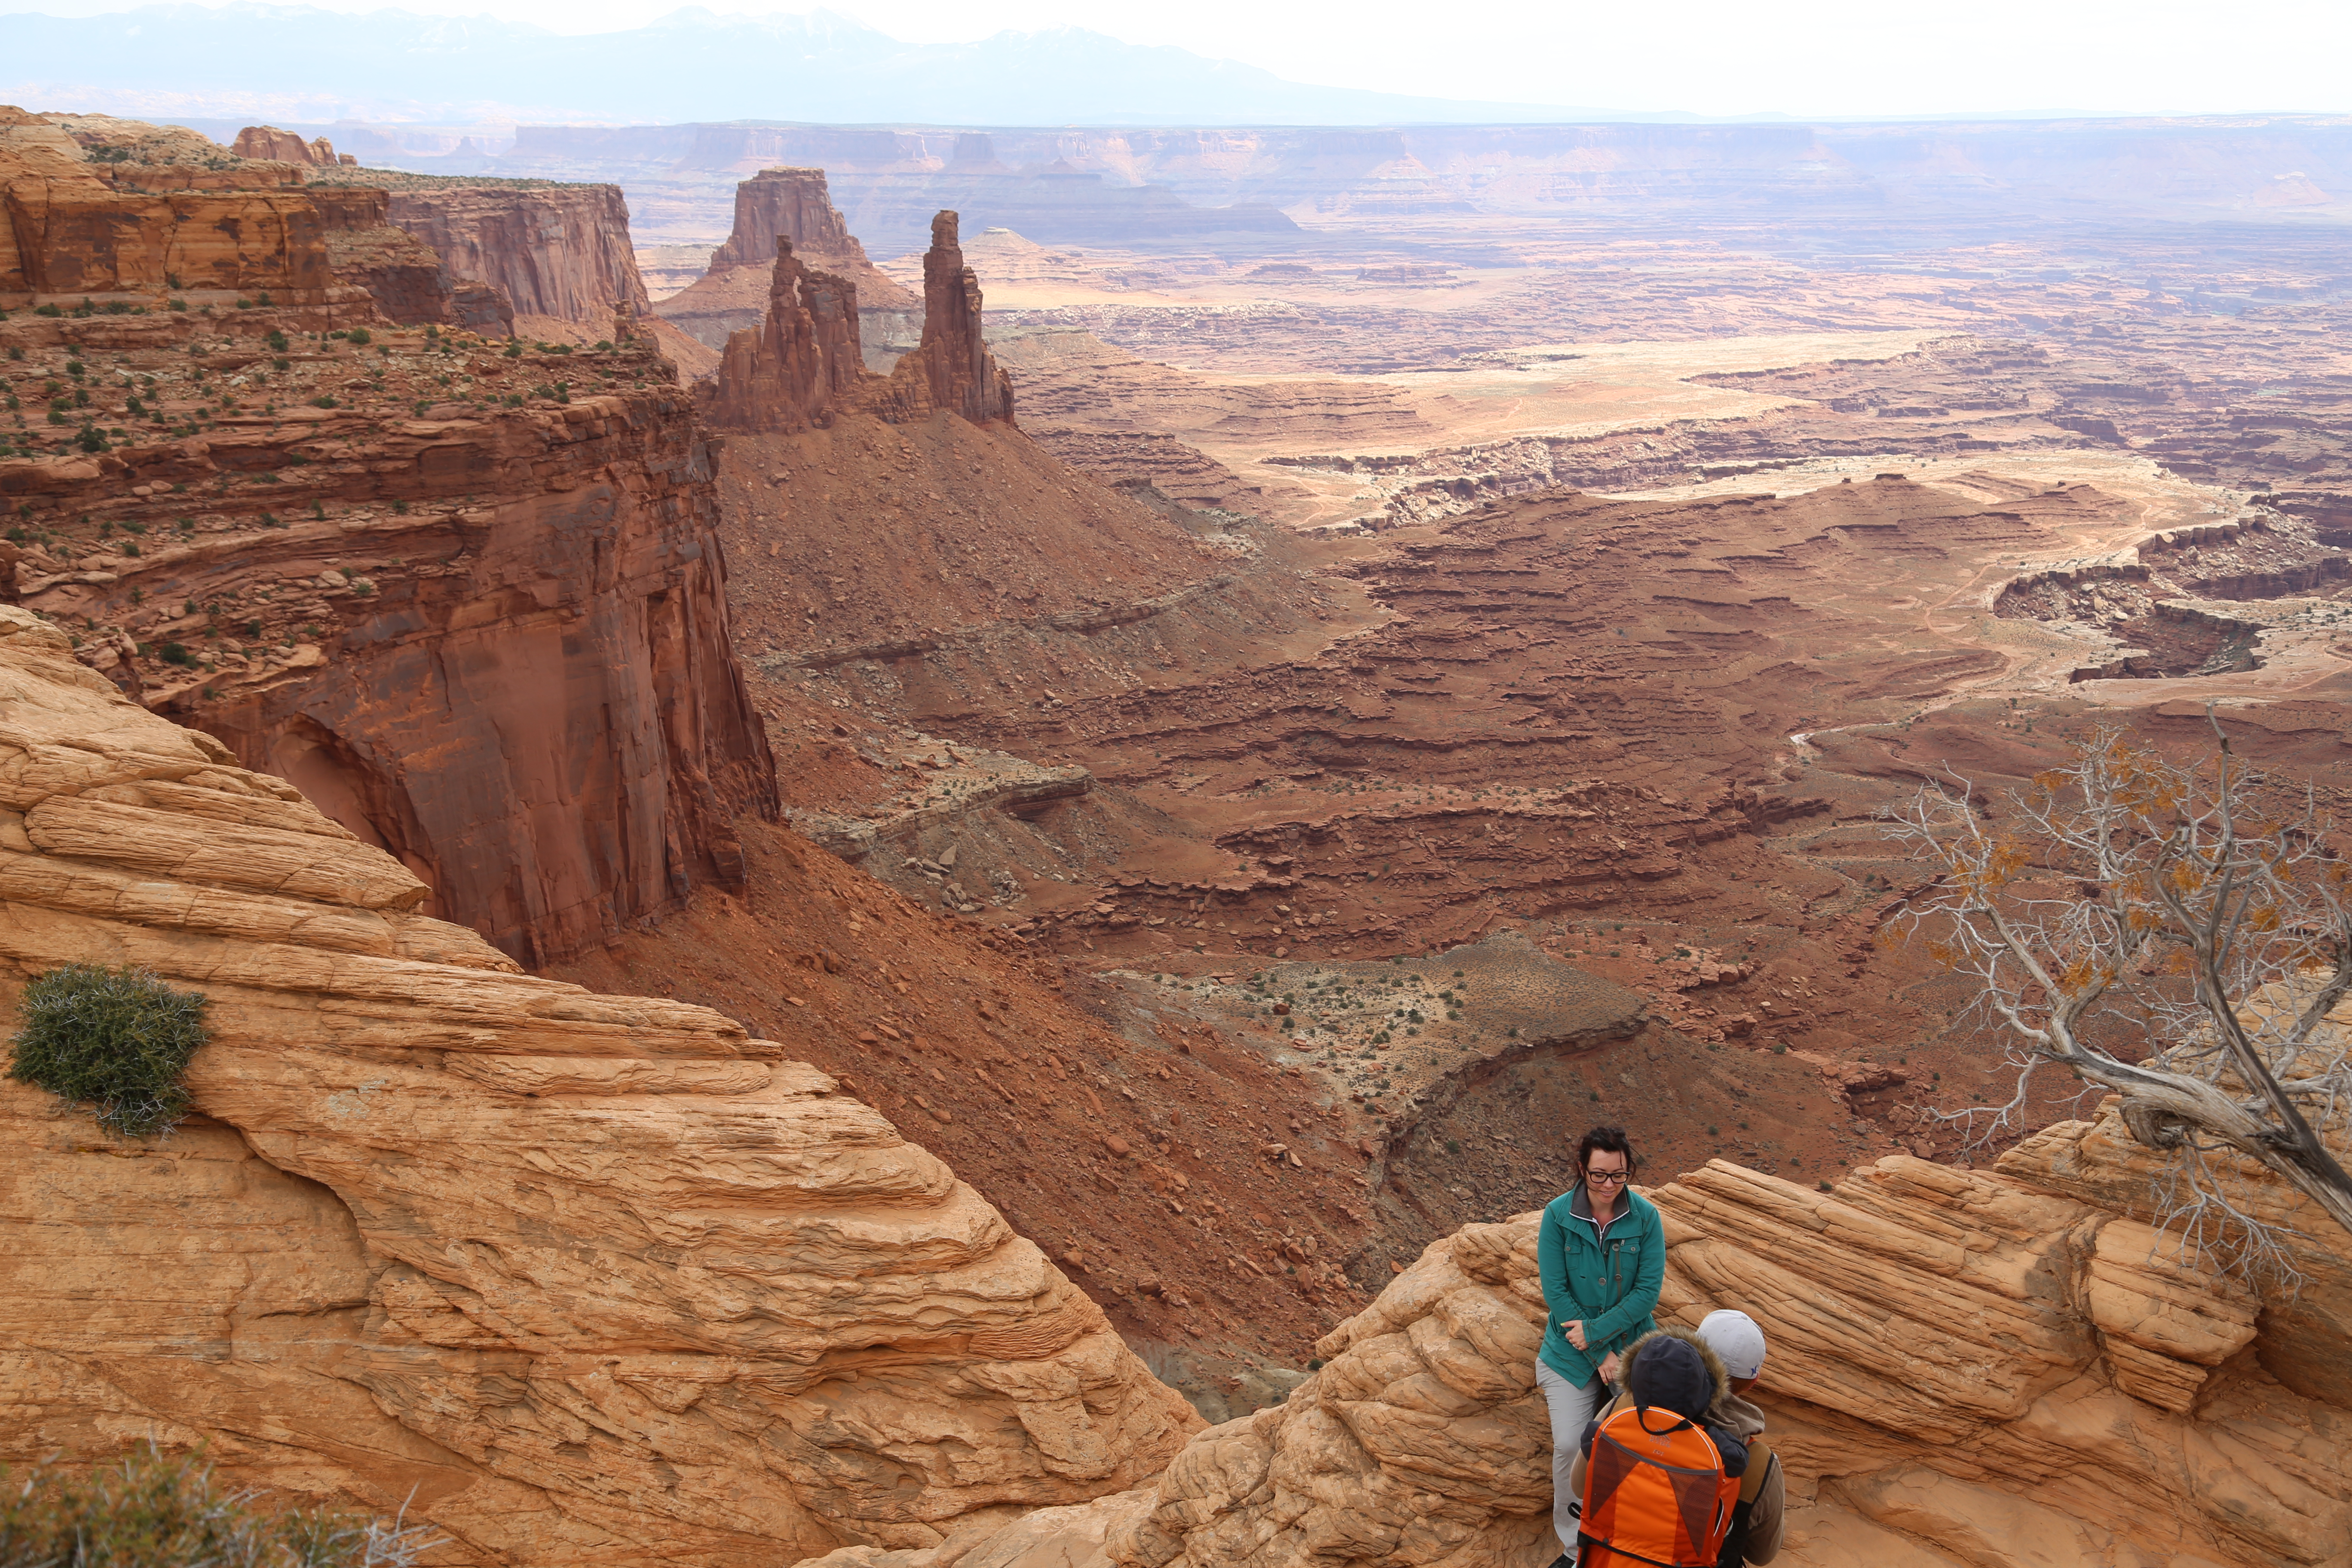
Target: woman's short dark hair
{"x":1613,"y":1140}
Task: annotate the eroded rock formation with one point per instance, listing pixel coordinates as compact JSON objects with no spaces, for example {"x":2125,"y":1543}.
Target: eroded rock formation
{"x":802,"y":365}
{"x":79,"y":225}
{"x":1966,"y":1367}
{"x":174,"y":214}
{"x":778,"y":205}
{"x":799,"y":362}
{"x":406,"y":277}
{"x":482,"y":618}
{"x":285,"y":147}
{"x":570,"y":1275}
{"x":952,"y":368}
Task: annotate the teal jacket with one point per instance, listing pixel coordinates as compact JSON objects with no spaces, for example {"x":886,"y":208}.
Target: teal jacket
{"x":1612,"y":1285}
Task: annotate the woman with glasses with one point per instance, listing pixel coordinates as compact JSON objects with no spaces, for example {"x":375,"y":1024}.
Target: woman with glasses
{"x":1601,"y":1252}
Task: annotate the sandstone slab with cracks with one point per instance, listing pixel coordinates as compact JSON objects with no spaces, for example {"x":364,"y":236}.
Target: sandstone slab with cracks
{"x":1966,"y":1367}
{"x":572,"y":1275}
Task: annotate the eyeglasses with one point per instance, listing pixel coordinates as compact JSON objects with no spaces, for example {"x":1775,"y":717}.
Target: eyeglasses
{"x":1611,"y":1178}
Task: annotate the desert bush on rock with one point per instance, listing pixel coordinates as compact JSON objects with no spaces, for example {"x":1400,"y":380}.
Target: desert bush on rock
{"x":2179,"y":934}
{"x":117,"y":1040}
{"x":150,"y":1509}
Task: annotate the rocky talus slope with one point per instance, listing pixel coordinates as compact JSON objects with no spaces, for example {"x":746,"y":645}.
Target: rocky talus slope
{"x":573,"y":1277}
{"x":791,"y":205}
{"x":1967,"y":1368}
{"x":470,"y":598}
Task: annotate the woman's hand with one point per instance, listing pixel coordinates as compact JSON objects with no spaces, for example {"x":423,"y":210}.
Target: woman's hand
{"x":1609,"y":1367}
{"x":1575,"y":1328}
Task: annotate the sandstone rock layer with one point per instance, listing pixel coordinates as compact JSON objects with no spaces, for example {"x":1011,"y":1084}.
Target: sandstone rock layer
{"x":1966,"y":1367}
{"x":574,"y":1276}
{"x":482,"y":620}
{"x":285,"y":147}
{"x":75,"y":227}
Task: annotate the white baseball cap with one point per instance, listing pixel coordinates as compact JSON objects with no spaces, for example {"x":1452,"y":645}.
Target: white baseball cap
{"x":1736,"y":1340}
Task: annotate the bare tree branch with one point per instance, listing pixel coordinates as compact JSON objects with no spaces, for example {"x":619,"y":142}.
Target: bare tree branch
{"x":2165,"y":933}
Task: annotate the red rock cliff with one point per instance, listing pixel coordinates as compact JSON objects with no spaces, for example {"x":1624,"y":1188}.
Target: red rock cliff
{"x":568,"y":1277}
{"x":406,"y":277}
{"x":795,"y":204}
{"x":473,"y":601}
{"x":283,"y":146}
{"x":561,"y":252}
{"x":74,"y":226}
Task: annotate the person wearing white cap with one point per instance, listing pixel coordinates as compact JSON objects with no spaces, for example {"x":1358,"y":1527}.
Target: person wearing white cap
{"x":1756,"y":1521}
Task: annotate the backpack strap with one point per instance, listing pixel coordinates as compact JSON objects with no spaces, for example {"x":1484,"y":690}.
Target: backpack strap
{"x":1751,"y":1485}
{"x":1641,"y":1414}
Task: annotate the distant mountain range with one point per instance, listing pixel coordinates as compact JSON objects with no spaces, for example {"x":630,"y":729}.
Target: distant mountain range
{"x":301,"y":63}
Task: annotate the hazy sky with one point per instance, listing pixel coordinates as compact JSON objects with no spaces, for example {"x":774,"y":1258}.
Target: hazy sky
{"x":1810,"y":57}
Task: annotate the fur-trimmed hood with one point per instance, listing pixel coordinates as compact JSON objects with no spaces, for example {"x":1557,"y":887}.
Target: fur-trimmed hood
{"x":1717,"y":1406}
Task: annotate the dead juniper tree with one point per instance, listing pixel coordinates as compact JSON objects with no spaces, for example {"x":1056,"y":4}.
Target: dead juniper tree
{"x":2172,"y":934}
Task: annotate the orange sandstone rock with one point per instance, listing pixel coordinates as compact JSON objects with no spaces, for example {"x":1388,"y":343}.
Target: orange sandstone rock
{"x":285,"y":147}
{"x":567,"y":1274}
{"x":1965,"y":1367}
{"x":801,"y":362}
{"x":559,"y":253}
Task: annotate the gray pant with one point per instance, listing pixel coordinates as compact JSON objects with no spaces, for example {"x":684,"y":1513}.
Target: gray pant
{"x":1571,"y":1409}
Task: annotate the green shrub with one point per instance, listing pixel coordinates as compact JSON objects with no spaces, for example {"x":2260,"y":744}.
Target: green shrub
{"x":358,"y":335}
{"x":149,"y":1510}
{"x":115,"y":1039}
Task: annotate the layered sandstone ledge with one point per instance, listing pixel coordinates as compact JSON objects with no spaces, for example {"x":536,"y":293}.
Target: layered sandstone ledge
{"x":573,"y":1276}
{"x":1967,"y":1368}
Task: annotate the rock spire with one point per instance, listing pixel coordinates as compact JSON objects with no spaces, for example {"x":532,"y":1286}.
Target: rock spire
{"x":953,"y":365}
{"x":802,"y":365}
{"x":802,"y":361}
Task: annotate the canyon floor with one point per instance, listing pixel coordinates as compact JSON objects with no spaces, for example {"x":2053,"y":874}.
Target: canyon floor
{"x":1467,"y":713}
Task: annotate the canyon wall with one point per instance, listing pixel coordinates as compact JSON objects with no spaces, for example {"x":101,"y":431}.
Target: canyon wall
{"x":558,"y":253}
{"x":563,"y":1275}
{"x":791,"y":205}
{"x":1142,"y":185}
{"x":406,"y":277}
{"x":802,"y":365}
{"x":76,"y":227}
{"x":473,"y":601}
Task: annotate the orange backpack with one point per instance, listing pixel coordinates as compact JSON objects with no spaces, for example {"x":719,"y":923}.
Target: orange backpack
{"x":1652,"y":1494}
